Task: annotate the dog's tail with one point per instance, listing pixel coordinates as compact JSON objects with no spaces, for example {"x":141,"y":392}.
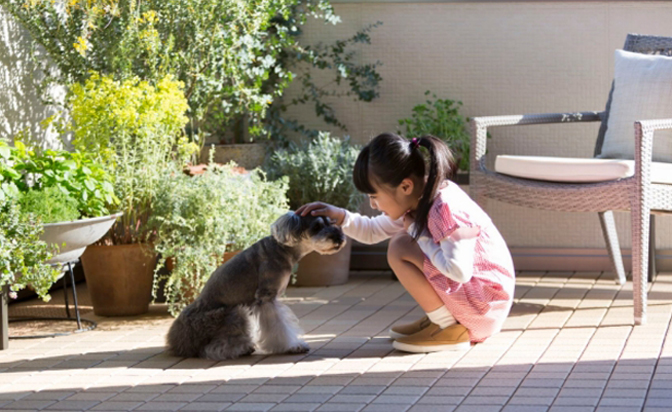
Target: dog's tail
{"x":194,"y":329}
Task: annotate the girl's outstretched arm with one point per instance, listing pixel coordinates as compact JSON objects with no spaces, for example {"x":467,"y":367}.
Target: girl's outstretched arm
{"x":363,"y":229}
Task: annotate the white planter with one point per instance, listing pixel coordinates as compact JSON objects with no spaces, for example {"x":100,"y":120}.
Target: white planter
{"x":77,"y":235}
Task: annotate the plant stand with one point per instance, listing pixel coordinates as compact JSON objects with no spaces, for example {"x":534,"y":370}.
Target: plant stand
{"x":68,"y":316}
{"x":4,"y":319}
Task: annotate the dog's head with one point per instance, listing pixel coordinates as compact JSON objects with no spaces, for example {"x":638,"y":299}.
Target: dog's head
{"x":313,"y":233}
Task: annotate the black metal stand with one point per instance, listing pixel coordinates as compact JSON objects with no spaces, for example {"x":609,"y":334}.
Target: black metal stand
{"x":77,"y":318}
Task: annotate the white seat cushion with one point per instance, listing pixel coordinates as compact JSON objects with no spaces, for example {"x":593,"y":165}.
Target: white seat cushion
{"x":576,"y":170}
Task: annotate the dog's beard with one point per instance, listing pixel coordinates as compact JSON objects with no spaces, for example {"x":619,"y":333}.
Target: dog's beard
{"x":325,"y":246}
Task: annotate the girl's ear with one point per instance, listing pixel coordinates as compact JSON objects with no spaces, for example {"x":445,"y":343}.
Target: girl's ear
{"x":407,"y":185}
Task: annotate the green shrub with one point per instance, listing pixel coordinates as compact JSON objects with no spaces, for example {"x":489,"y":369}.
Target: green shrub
{"x":224,"y":51}
{"x":197,"y":219}
{"x":318,"y":170}
{"x":75,"y":174}
{"x":135,"y":129}
{"x":441,"y":118}
{"x":10,"y":178}
{"x":50,"y":204}
{"x":22,"y":253}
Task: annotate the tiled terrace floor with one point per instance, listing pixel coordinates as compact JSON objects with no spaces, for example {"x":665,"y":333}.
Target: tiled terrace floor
{"x":568,"y":345}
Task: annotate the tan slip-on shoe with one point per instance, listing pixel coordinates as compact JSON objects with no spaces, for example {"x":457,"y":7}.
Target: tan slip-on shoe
{"x":434,"y":339}
{"x":408,"y":329}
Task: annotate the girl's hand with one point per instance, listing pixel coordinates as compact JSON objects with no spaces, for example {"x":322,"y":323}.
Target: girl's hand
{"x":336,"y":214}
{"x":409,"y":219}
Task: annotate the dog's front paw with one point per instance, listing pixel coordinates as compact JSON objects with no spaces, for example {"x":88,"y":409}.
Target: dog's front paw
{"x":300,"y":347}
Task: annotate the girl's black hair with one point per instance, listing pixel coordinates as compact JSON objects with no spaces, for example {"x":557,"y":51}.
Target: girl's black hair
{"x":388,"y":159}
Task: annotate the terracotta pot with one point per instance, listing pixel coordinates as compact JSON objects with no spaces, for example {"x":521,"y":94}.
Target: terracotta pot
{"x":324,"y":270}
{"x":119,"y":278}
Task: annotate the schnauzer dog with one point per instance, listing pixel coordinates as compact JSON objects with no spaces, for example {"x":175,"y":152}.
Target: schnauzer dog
{"x":237,"y":311}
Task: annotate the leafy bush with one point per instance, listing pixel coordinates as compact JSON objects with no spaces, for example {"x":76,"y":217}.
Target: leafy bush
{"x":22,"y":253}
{"x":339,"y":59}
{"x":197,"y":219}
{"x":82,"y":182}
{"x":50,"y":204}
{"x":9,"y":176}
{"x":235,"y":57}
{"x":441,"y":118}
{"x":318,"y":170}
{"x":75,"y":174}
{"x":134,"y":128}
{"x":224,"y":51}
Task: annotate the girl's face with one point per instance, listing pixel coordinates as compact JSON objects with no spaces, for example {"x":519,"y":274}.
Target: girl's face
{"x":395,"y":202}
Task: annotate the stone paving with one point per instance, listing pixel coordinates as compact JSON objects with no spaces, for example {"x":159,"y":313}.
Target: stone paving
{"x":568,"y":345}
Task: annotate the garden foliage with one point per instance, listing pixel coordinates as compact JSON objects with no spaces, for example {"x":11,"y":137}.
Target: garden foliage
{"x":196,"y":219}
{"x":441,"y":118}
{"x":22,"y":253}
{"x":134,"y":128}
{"x":318,"y":170}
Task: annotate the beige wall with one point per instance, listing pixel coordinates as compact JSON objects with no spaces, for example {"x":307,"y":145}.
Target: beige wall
{"x":20,"y":106}
{"x":501,"y":58}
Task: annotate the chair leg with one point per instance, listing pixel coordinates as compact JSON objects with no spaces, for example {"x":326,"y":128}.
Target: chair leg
{"x":652,"y":248}
{"x":640,"y":216}
{"x":613,"y":247}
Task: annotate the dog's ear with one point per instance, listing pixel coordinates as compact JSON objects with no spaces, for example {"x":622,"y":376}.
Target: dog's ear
{"x":287,"y":229}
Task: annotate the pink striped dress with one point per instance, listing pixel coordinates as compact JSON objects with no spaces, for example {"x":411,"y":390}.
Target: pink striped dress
{"x":483,"y":303}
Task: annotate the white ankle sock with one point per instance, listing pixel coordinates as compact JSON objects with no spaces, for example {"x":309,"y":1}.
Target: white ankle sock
{"x":441,"y":317}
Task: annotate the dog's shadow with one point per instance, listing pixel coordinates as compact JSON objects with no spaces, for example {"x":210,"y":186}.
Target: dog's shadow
{"x":157,"y":357}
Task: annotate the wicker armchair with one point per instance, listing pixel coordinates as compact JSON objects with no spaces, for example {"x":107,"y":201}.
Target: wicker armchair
{"x":635,"y":193}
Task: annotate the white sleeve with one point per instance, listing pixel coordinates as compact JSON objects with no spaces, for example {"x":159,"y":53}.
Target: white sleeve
{"x":370,"y":230}
{"x":454,"y":259}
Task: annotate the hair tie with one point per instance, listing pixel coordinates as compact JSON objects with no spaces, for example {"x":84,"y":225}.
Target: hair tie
{"x":415,"y":143}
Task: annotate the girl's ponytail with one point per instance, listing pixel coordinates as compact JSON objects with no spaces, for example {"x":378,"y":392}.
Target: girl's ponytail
{"x":441,"y":166}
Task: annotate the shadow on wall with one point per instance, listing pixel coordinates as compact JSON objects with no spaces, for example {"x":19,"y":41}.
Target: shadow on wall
{"x":20,"y":105}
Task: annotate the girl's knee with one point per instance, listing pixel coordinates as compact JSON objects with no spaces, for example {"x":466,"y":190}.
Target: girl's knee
{"x":402,"y":247}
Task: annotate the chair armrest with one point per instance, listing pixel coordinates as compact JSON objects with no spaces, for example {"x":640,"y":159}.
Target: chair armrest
{"x":644,"y":131}
{"x":480,"y":125}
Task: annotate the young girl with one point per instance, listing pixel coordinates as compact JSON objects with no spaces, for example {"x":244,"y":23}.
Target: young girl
{"x":444,"y":250}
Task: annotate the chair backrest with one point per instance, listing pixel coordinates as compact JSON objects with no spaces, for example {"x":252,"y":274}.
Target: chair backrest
{"x":635,"y":43}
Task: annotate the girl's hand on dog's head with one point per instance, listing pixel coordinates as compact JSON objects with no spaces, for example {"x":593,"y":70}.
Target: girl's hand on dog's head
{"x":336,"y":214}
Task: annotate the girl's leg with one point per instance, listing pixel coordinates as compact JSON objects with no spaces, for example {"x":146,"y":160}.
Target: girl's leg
{"x":407,"y":260}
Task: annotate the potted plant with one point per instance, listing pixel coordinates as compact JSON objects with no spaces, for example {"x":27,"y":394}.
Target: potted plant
{"x":71,"y":194}
{"x":320,"y":170}
{"x":23,"y":258}
{"x":202,"y":220}
{"x":23,"y":255}
{"x":441,"y":118}
{"x":134,"y":129}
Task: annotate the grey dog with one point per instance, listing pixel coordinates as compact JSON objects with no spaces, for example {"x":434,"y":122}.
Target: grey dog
{"x":237,"y":311}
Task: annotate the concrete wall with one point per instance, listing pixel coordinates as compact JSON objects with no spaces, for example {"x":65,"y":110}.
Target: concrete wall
{"x":20,"y":106}
{"x":500,"y":58}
